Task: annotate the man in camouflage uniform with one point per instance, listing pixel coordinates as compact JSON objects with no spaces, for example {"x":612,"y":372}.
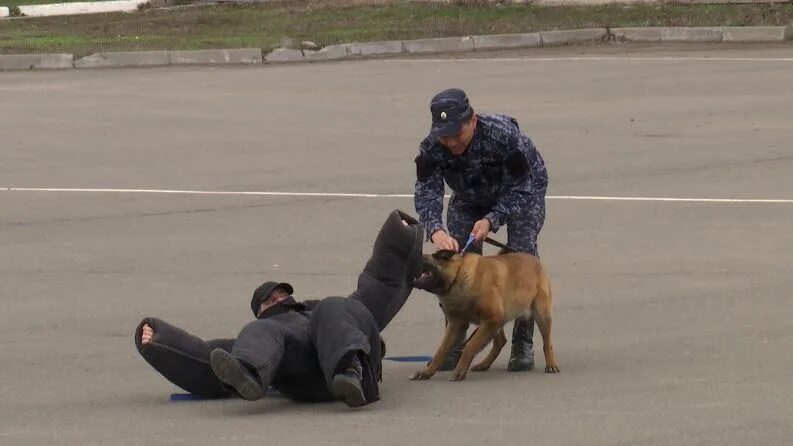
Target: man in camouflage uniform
{"x":497,"y":178}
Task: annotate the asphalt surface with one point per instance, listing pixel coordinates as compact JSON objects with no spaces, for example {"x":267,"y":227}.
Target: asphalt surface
{"x":673,"y":321}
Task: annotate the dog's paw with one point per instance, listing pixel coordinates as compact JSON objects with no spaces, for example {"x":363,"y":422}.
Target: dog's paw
{"x":421,"y":376}
{"x":457,"y":376}
{"x":551,"y":368}
{"x":480,"y":368}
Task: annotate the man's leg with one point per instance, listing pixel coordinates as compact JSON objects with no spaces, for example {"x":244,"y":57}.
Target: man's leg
{"x":253,"y":361}
{"x":182,"y":358}
{"x":347,"y":340}
{"x":385,"y":282}
{"x":522,"y":232}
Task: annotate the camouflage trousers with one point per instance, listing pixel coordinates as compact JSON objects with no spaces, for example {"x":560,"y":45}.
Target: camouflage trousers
{"x":522,"y":229}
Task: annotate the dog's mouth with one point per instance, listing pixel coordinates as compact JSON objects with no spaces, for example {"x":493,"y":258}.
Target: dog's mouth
{"x":428,"y":272}
{"x":429,"y":279}
{"x":425,"y":275}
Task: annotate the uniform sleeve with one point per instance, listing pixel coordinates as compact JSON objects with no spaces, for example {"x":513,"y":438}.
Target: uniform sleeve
{"x":428,"y":195}
{"x":525,"y":176}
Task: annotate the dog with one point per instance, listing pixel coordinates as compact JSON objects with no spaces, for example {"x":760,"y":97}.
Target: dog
{"x":488,"y":291}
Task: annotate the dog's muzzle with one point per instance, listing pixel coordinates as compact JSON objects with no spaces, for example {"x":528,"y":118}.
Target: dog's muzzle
{"x":430,"y":279}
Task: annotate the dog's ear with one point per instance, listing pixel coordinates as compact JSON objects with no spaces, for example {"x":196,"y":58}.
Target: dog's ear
{"x":444,"y":254}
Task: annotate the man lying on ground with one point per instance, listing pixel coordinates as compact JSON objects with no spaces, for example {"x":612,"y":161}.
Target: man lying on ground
{"x":315,"y":350}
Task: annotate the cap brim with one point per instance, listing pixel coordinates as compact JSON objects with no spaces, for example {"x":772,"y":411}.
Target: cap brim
{"x":446,"y":129}
{"x":286,"y":287}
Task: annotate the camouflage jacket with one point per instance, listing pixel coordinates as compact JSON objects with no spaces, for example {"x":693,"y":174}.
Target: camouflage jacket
{"x":501,"y":171}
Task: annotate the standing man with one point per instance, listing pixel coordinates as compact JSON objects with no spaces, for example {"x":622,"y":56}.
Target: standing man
{"x":497,"y":177}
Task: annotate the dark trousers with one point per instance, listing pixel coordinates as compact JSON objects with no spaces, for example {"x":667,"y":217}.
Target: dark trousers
{"x":298,"y":353}
{"x":522,"y":229}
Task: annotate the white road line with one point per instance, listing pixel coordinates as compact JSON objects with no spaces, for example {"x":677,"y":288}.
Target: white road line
{"x":600,"y":58}
{"x":692,"y":200}
{"x":208,"y":192}
{"x":359,"y":195}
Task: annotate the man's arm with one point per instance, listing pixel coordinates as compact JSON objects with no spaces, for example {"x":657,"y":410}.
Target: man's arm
{"x":525,"y":176}
{"x":181,"y":357}
{"x":428,"y":195}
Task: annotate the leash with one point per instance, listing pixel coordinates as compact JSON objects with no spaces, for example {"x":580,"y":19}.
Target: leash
{"x":471,"y":239}
{"x":498,"y":244}
{"x":495,"y":243}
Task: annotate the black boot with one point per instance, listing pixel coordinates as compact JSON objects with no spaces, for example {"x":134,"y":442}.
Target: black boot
{"x":236,"y":375}
{"x":522,"y":357}
{"x":347,"y":385}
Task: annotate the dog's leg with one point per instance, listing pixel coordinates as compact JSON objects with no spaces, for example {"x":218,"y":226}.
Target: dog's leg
{"x":498,"y":343}
{"x":542,"y":314}
{"x":455,"y":332}
{"x":487,"y":331}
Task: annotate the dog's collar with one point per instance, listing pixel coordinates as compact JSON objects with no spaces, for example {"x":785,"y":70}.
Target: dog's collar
{"x":453,"y":282}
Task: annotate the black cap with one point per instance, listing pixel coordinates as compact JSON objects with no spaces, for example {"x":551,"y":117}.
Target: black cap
{"x":450,"y":110}
{"x":263,"y":293}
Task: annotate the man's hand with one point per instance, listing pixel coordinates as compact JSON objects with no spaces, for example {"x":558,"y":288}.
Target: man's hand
{"x":148,"y":333}
{"x":481,"y":229}
{"x":442,"y":240}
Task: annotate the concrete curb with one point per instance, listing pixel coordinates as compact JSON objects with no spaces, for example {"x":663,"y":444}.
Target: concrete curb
{"x":18,"y":62}
{"x":243,"y":56}
{"x":704,"y":34}
{"x":637,"y":34}
{"x":56,"y":9}
{"x":439,"y":45}
{"x":567,"y":37}
{"x":683,"y":34}
{"x":361,"y":50}
{"x":504,"y":41}
{"x":757,"y":33}
{"x":367,"y":49}
{"x":280,"y":55}
{"x":330,"y":52}
{"x":124,"y":59}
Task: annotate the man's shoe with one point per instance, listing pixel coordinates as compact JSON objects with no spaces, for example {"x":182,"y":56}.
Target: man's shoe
{"x":233,"y":373}
{"x":522,"y":357}
{"x":347,"y":386}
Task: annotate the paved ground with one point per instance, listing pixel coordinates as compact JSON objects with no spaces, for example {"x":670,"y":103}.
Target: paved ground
{"x":673,"y":321}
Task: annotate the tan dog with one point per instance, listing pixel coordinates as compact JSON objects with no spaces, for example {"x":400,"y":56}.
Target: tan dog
{"x":488,"y":291}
